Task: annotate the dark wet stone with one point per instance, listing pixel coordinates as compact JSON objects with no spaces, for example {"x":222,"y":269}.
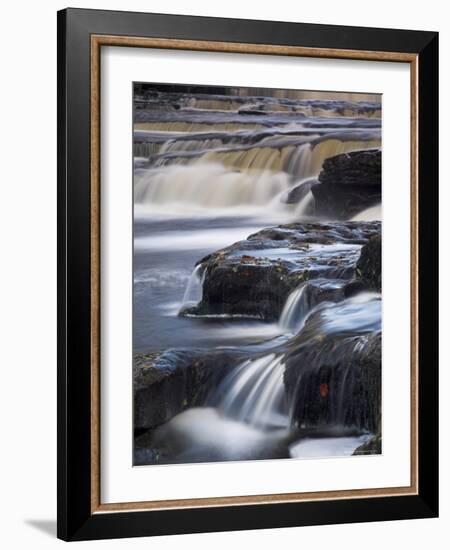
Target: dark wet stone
{"x":252,"y":110}
{"x":353,"y":288}
{"x":368,"y":268}
{"x":335,"y":380}
{"x":247,"y":279}
{"x":348,"y":184}
{"x":166,"y":384}
{"x":299,"y":192}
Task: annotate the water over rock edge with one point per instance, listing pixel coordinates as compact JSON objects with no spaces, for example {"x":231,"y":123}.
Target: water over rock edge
{"x":332,"y":379}
{"x":255,"y":276}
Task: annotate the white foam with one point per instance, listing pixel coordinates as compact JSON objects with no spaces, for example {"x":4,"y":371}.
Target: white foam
{"x":202,"y":239}
{"x":326,"y":446}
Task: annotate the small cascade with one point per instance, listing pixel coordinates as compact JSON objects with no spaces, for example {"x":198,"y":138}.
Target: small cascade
{"x":299,"y":158}
{"x":146,"y":149}
{"x":207,"y":185}
{"x":358,"y":315}
{"x":305,"y":206}
{"x":333,"y":371}
{"x":194,"y":288}
{"x":301,"y":161}
{"x":306,"y":160}
{"x":295,"y":309}
{"x":254,"y":393}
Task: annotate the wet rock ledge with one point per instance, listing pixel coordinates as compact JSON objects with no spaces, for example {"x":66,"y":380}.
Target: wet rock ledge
{"x":348,"y":184}
{"x":254,"y":277}
{"x":335,"y":380}
{"x":368,"y":269}
{"x":165,"y":384}
{"x":332,"y":373}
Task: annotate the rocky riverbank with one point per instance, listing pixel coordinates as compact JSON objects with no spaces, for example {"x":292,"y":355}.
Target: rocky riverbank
{"x":332,"y":368}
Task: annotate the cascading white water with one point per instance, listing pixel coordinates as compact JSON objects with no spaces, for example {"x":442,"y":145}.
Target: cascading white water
{"x":212,"y":185}
{"x":236,"y":177}
{"x":358,"y":314}
{"x":145,"y":149}
{"x":207,"y":185}
{"x":306,"y":160}
{"x":295,"y":309}
{"x":305,"y":205}
{"x":302,"y":161}
{"x":194,"y":288}
{"x":254,"y":393}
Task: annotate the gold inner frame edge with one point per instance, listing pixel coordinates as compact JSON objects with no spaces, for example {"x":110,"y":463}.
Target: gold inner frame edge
{"x":97,"y":41}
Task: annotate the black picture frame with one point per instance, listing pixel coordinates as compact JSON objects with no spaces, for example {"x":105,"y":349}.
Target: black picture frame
{"x":76,"y":521}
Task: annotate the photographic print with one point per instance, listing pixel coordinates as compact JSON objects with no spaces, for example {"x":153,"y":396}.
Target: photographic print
{"x":247,"y":293}
{"x":257,"y":274}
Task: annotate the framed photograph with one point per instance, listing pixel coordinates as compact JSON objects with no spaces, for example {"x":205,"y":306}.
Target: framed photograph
{"x":247,"y":274}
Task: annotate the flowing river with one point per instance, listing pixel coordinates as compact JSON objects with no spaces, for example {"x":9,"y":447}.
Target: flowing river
{"x":210,"y":170}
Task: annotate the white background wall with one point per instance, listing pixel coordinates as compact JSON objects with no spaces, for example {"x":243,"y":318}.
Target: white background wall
{"x":28,"y":271}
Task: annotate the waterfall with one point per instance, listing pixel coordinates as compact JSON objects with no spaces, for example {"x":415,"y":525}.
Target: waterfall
{"x":305,"y":206}
{"x":357,"y":315}
{"x":146,"y":149}
{"x":194,"y":288}
{"x":301,"y":161}
{"x":306,"y":160}
{"x":218,"y":162}
{"x":254,"y":393}
{"x":295,"y":309}
{"x":297,"y":157}
{"x":207,"y":185}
